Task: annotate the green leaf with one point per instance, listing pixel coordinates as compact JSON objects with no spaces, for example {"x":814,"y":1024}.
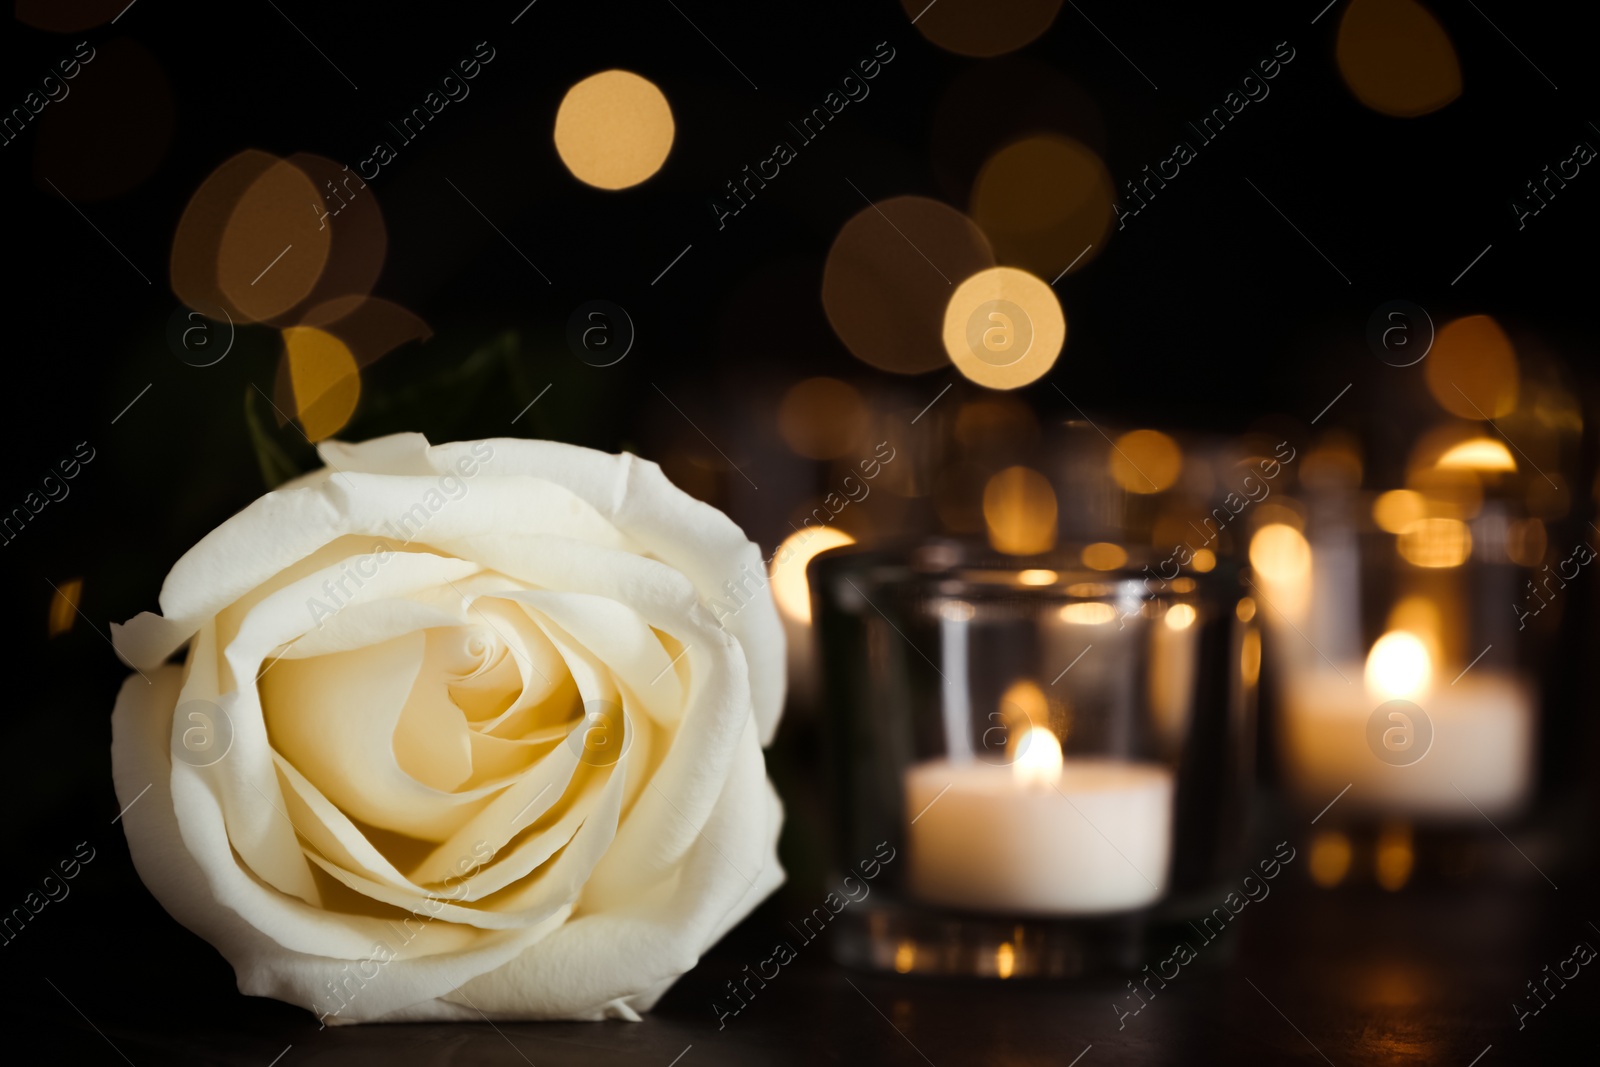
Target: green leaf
{"x":276,"y":466}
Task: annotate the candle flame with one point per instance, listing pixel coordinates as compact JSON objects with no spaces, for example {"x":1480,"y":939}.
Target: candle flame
{"x":1038,"y":757}
{"x":1399,"y":666}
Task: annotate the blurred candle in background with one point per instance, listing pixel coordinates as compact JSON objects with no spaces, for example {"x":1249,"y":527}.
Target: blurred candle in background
{"x":1458,"y":749}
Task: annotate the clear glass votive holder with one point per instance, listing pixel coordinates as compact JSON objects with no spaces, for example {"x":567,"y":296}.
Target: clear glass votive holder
{"x":1406,"y":713}
{"x":1056,"y":753}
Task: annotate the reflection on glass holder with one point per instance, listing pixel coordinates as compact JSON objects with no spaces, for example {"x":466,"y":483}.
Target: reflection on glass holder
{"x":1062,"y":752}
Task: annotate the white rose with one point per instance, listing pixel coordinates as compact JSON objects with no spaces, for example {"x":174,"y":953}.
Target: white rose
{"x":484,"y":747}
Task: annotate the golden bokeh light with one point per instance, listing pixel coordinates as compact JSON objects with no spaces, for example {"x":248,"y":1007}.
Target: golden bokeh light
{"x":273,"y":248}
{"x":822,"y":418}
{"x":1472,"y":369}
{"x":1245,"y":609}
{"x":1145,"y":461}
{"x":1204,"y":560}
{"x":1330,"y":858}
{"x":613,"y":129}
{"x":1045,"y":202}
{"x":1004,"y":328}
{"x":1037,"y":576}
{"x":1280,"y":553}
{"x":1398,"y":508}
{"x":323,"y":379}
{"x":788,"y":568}
{"x":64,"y":606}
{"x":1180,"y":617}
{"x":1396,"y":58}
{"x":1088,"y":613}
{"x":1478,"y":454}
{"x":1394,"y":858}
{"x":1005,"y":960}
{"x":359,"y":236}
{"x":1435,"y":542}
{"x":1250,"y":656}
{"x":888,"y":277}
{"x":991,"y":28}
{"x":249,"y":239}
{"x":1019,"y":509}
{"x":1104,"y":556}
{"x":369,"y":326}
{"x":905,"y":956}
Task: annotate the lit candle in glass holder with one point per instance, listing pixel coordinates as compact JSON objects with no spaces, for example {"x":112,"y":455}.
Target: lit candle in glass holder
{"x":1043,"y":835}
{"x":1406,"y":743}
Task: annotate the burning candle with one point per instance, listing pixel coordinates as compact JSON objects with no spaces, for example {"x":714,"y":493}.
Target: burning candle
{"x":1045,"y":835}
{"x":1455,"y":750}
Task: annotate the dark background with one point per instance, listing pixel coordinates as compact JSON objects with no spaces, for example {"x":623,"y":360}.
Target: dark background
{"x":1209,"y":313}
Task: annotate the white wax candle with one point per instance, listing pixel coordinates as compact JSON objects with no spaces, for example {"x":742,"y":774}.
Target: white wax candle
{"x":1481,"y":753}
{"x":988,"y":838}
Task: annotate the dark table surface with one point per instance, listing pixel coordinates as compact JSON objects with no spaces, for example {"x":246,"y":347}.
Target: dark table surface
{"x":1353,"y":976}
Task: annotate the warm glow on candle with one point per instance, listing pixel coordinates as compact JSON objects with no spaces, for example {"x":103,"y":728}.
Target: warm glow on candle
{"x":1180,"y":616}
{"x":1399,"y":666}
{"x":1038,"y":758}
